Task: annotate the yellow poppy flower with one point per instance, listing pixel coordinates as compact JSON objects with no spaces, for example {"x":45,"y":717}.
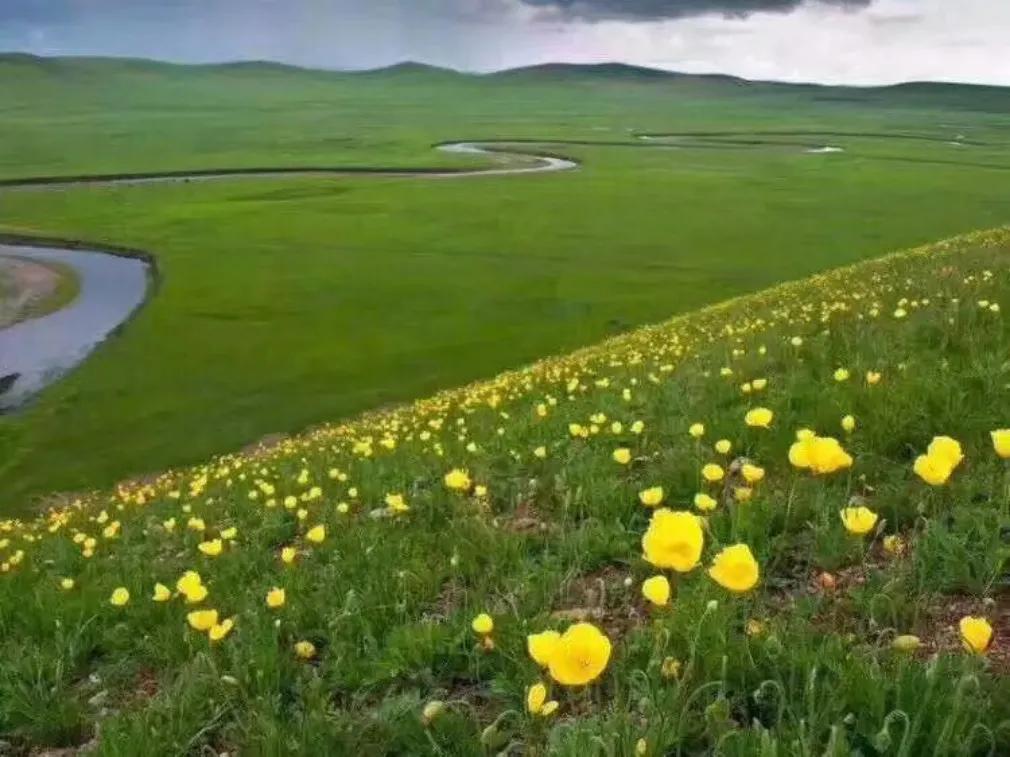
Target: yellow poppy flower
{"x":1001,"y":442}
{"x":820,"y":455}
{"x":735,"y":568}
{"x":622,"y":455}
{"x":541,"y":646}
{"x":759,"y":417}
{"x":483,"y":624}
{"x":934,"y":471}
{"x":211,"y":548}
{"x":704,"y":502}
{"x":752,"y":473}
{"x":712,"y":472}
{"x":946,"y":449}
{"x":306,"y":650}
{"x":858,"y":520}
{"x":976,"y":633}
{"x":161,"y":593}
{"x":723,"y":446}
{"x":222,"y":629}
{"x":657,"y":590}
{"x":651,"y":497}
{"x":202,"y":620}
{"x":849,"y":424}
{"x":120,"y":597}
{"x":673,"y":540}
{"x":697,"y":430}
{"x":316,"y":534}
{"x":458,"y":480}
{"x":581,"y":656}
{"x":276,"y":598}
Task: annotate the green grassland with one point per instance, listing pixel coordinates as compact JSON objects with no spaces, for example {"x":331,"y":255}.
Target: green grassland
{"x":548,"y":530}
{"x":286,"y":302}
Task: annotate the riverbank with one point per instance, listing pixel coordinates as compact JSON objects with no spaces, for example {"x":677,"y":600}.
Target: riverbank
{"x":31,"y":288}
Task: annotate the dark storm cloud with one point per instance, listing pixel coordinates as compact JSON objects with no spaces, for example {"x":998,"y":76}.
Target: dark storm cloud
{"x":656,"y":10}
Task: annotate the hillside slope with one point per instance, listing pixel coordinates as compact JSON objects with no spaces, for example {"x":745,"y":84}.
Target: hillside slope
{"x":734,"y":582}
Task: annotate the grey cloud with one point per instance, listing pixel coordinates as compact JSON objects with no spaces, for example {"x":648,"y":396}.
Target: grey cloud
{"x":655,"y":10}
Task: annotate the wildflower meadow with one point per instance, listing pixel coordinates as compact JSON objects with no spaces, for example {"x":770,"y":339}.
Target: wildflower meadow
{"x":774,"y":526}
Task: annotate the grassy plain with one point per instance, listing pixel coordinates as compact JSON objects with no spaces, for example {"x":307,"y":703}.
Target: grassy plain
{"x":287,"y":302}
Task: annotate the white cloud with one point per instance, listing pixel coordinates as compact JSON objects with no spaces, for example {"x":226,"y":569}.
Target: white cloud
{"x":892,"y":41}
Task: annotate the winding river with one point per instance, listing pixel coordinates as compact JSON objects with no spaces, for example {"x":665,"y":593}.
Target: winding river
{"x":36,"y":352}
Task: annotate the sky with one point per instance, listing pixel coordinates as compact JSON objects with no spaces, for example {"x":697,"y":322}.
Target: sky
{"x":828,"y":41}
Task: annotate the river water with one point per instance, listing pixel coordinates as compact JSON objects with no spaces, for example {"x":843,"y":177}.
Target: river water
{"x":40,"y":350}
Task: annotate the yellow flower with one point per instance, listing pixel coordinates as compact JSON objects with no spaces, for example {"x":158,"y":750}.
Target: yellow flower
{"x":697,"y":430}
{"x":735,"y":568}
{"x":211,"y":548}
{"x":712,"y":472}
{"x":483,"y":624}
{"x":906,"y":643}
{"x":872,"y":378}
{"x":622,"y":455}
{"x":67,"y":584}
{"x":976,"y":633}
{"x":819,"y":454}
{"x":858,"y":520}
{"x":229,"y":533}
{"x":540,"y":452}
{"x":849,"y":424}
{"x":1001,"y":442}
{"x":759,"y":384}
{"x":288,"y":555}
{"x":651,"y":497}
{"x":120,"y":597}
{"x":946,"y":449}
{"x":202,"y":620}
{"x":841,"y":374}
{"x":191,"y":586}
{"x":541,"y":646}
{"x":276,"y":598}
{"x":742,"y":493}
{"x":305,"y":649}
{"x":536,"y":701}
{"x":222,"y":629}
{"x":657,"y":590}
{"x":673,"y":540}
{"x":316,"y":534}
{"x":723,"y":446}
{"x":161,"y":593}
{"x":581,"y":655}
{"x":396,"y":503}
{"x":933,"y":470}
{"x":457,"y":480}
{"x":759,"y":417}
{"x":704,"y":502}
{"x":752,"y":473}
